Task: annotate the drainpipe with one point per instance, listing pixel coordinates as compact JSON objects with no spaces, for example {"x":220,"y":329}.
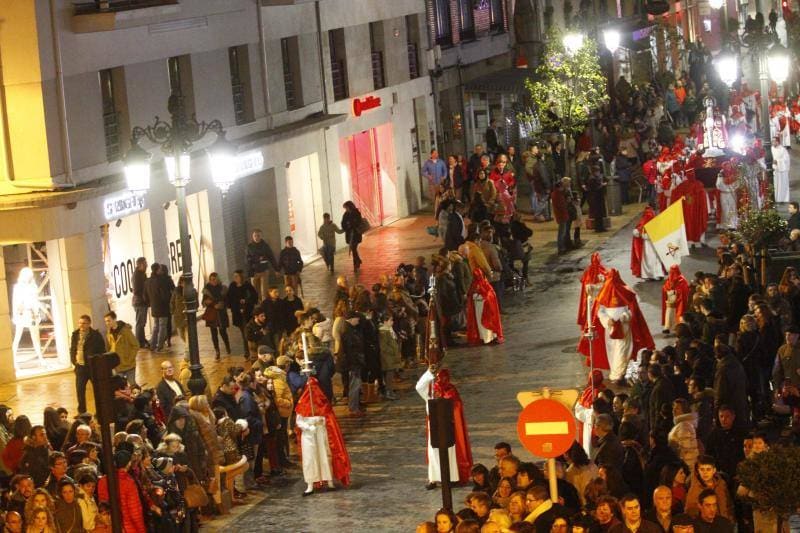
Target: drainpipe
{"x":262,"y":49}
{"x":324,"y":89}
{"x":62,"y":100}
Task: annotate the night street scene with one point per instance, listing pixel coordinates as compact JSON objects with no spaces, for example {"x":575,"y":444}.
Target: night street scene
{"x":404,"y":266}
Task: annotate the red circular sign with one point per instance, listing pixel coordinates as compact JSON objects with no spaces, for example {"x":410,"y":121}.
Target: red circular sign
{"x":546,"y":428}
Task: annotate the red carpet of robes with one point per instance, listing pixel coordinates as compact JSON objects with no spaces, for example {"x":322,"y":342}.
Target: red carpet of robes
{"x":340,"y":461}
{"x":443,"y":388}
{"x":675,"y":282}
{"x":491,"y":311}
{"x":590,"y":277}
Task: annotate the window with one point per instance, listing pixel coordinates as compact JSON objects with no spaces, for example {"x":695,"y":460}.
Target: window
{"x":338,"y":64}
{"x":114,"y":108}
{"x":412,"y":33}
{"x":376,"y":50}
{"x":467,"y":19}
{"x":292,"y":86}
{"x":241,"y":90}
{"x":440,"y":22}
{"x":180,"y":81}
{"x":497,"y":15}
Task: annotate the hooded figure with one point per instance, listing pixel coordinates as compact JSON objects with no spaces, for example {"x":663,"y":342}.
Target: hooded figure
{"x":620,"y":328}
{"x":591,"y":282}
{"x":483,"y":313}
{"x":695,"y":207}
{"x":443,"y":388}
{"x":645,"y":262}
{"x":322,"y":447}
{"x":428,"y":390}
{"x":583,"y":408}
{"x":674,"y":298}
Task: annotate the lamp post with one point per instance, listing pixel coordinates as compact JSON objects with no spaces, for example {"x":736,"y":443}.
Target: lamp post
{"x":723,"y":14}
{"x":176,"y":139}
{"x":611,"y":38}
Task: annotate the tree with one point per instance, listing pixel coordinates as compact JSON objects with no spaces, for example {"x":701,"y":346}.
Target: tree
{"x":567,"y":87}
{"x":773,"y":479}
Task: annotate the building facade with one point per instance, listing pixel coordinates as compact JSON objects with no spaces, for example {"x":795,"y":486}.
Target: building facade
{"x":326,"y":101}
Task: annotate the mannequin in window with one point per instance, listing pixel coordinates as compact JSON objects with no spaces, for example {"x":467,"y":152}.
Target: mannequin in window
{"x":26,"y":312}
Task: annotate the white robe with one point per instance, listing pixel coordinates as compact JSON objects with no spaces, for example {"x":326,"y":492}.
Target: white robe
{"x":586,"y":416}
{"x":780,"y":171}
{"x":315,"y":449}
{"x":776,"y":131}
{"x":729,"y":218}
{"x":617,"y":350}
{"x":651,"y":263}
{"x":434,"y":473}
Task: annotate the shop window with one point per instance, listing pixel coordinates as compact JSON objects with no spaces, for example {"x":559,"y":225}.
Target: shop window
{"x":336,"y":42}
{"x":467,"y":19}
{"x":292,"y":84}
{"x":412,"y":33}
{"x":115,"y":111}
{"x":241,"y":89}
{"x":180,"y":81}
{"x":35,"y":311}
{"x":376,"y":50}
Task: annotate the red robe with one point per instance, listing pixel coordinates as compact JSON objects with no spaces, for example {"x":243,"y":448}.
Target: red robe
{"x":340,"y":461}
{"x":695,"y":206}
{"x":615,"y":289}
{"x":443,"y":388}
{"x":675,"y":282}
{"x":637,"y":245}
{"x":491,"y":311}
{"x":591,"y":276}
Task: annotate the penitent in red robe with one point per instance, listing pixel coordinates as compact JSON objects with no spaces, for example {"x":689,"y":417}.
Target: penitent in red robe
{"x":312,"y":394}
{"x":490,"y":319}
{"x":637,"y":243}
{"x":695,"y":206}
{"x":675,"y":282}
{"x":443,"y":388}
{"x":593,"y":274}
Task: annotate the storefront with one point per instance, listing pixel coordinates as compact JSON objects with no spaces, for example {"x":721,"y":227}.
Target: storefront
{"x":304,"y":193}
{"x":200,"y":238}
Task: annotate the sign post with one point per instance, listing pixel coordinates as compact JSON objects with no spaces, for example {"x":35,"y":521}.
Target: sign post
{"x":546,"y":428}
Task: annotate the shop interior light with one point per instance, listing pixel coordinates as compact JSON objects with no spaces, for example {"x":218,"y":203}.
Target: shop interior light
{"x":573,"y":42}
{"x":715,"y":4}
{"x":137,"y":169}
{"x":611,"y":38}
{"x":727,"y":67}
{"x":778,"y":63}
{"x":222,"y":157}
{"x":185,"y":162}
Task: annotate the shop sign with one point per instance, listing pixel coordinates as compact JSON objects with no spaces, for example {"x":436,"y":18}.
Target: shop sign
{"x":115,"y":207}
{"x":364,"y":104}
{"x":248,"y":163}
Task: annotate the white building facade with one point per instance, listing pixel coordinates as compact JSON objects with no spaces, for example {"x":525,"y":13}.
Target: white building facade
{"x":326,"y":101}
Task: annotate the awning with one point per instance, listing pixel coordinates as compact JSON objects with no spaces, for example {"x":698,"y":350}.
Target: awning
{"x":507,"y":81}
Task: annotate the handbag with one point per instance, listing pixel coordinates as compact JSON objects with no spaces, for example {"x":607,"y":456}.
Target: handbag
{"x":210,"y":315}
{"x":194,"y":493}
{"x":363,"y":226}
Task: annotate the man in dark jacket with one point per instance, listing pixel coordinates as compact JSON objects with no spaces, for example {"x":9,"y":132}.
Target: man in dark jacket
{"x":291,"y":264}
{"x":169,"y":390}
{"x":662,"y":394}
{"x":140,"y":304}
{"x":352,"y":347}
{"x":794,"y":216}
{"x":725,"y":443}
{"x":85,"y":342}
{"x":609,"y":449}
{"x":260,"y":263}
{"x":226,"y":399}
{"x":158,"y":294}
{"x":454,"y":235}
{"x":541,"y":511}
{"x":272,"y":310}
{"x":730,"y":382}
{"x":22,"y":488}
{"x":257,"y":332}
{"x":35,"y":457}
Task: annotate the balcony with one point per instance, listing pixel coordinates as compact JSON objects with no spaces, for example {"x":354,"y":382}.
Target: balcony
{"x":106,"y":15}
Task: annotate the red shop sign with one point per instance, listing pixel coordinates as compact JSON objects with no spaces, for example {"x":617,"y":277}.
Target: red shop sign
{"x":363,"y":104}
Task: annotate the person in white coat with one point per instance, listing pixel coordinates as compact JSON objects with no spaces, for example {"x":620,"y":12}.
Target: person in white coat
{"x":425,"y":390}
{"x":780,"y":171}
{"x":683,"y":436}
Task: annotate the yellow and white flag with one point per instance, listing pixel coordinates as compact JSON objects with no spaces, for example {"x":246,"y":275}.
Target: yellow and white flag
{"x":668,"y":234}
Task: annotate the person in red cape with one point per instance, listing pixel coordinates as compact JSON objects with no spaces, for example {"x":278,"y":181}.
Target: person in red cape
{"x":323,"y":452}
{"x":695,"y":207}
{"x":674,"y":298}
{"x":583,"y":408}
{"x":591,"y":282}
{"x":620,"y":329}
{"x":483,"y":313}
{"x":645,"y":262}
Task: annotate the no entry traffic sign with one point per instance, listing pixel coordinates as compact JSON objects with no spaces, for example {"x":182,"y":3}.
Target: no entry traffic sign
{"x":546,"y":428}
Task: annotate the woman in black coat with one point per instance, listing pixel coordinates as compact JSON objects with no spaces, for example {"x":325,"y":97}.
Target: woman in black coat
{"x":352,"y":225}
{"x":216,"y":314}
{"x":241,"y":299}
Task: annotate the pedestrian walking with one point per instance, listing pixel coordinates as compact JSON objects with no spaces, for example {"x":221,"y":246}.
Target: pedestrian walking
{"x":241,"y":299}
{"x":353,"y":225}
{"x":158,"y":295}
{"x":140,"y":304}
{"x":327,"y":234}
{"x":122,"y":341}
{"x":261,"y":263}
{"x":85,"y":343}
{"x":215,"y":313}
{"x":291,"y":264}
{"x":435,"y":171}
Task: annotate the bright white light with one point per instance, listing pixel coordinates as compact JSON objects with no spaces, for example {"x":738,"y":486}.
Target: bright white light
{"x":611,"y":38}
{"x":778,"y":62}
{"x":707,"y":25}
{"x":727,"y":67}
{"x":185,"y":168}
{"x":223,"y":166}
{"x":715,"y":4}
{"x":573,"y":42}
{"x":737,"y":144}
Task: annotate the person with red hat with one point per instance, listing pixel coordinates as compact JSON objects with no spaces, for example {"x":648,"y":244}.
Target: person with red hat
{"x":674,"y":298}
{"x":645,"y":262}
{"x":695,"y":206}
{"x":620,"y":329}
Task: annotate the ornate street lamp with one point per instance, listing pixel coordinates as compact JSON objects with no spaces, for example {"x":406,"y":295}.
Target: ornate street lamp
{"x":727,"y":67}
{"x":573,"y":42}
{"x":612,"y":39}
{"x":176,"y":139}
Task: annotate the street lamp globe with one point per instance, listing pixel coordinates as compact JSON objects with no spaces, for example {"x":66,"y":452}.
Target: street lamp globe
{"x":727,"y":67}
{"x":778,"y":63}
{"x":137,"y":169}
{"x":573,"y":42}
{"x":222,"y":157}
{"x":179,"y":173}
{"x":611,"y":38}
{"x":715,"y":4}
